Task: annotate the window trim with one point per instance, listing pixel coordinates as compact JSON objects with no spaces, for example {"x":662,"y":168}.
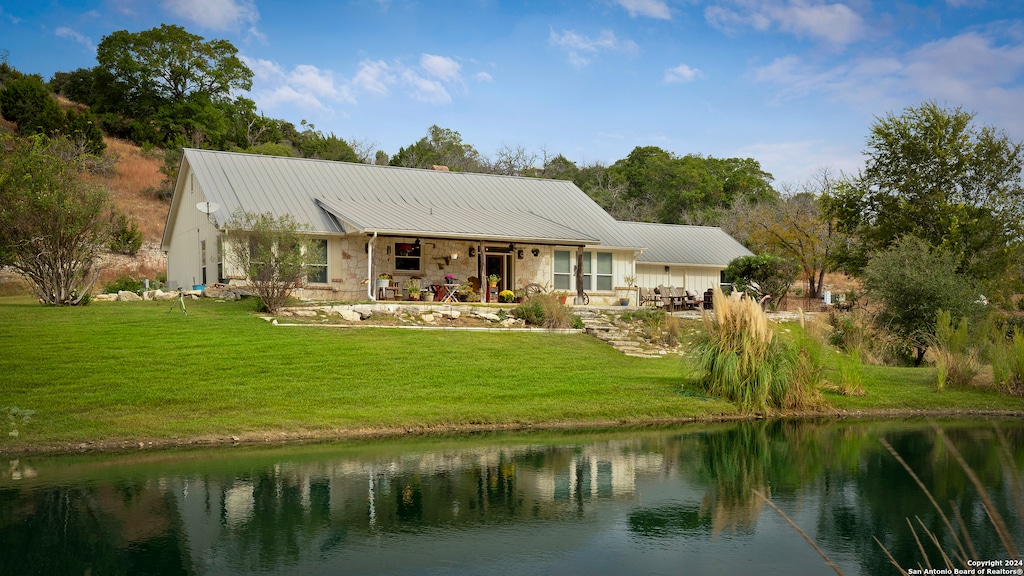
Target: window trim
{"x":322,"y":265}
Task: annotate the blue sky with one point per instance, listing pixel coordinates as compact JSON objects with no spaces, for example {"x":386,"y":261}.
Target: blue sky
{"x":794,"y":84}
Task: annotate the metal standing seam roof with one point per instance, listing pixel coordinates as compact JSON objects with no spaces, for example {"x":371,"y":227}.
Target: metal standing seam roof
{"x":685,"y":245}
{"x":327,"y":196}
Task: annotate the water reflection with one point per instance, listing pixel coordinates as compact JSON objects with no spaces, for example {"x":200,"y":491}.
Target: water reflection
{"x":668,"y":501}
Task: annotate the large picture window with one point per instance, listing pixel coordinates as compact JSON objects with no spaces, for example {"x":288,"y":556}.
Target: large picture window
{"x":407,"y":256}
{"x":563,"y":270}
{"x":598,"y":271}
{"x":316,"y":261}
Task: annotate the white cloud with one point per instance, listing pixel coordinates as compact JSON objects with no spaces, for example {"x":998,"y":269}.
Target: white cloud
{"x":217,"y":14}
{"x":580,"y":47}
{"x":441,"y":67}
{"x":979,"y":71}
{"x":374,"y":76}
{"x":305,"y":86}
{"x":64,"y":32}
{"x":425,"y":89}
{"x":682,"y":73}
{"x":10,"y":17}
{"x":483,"y":77}
{"x":649,"y":8}
{"x":835,"y":23}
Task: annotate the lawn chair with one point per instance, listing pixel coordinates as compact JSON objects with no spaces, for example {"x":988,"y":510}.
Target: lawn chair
{"x":709,"y":299}
{"x":692,"y":300}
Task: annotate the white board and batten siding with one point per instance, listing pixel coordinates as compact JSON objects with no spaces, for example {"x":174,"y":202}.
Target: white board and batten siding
{"x":194,"y":230}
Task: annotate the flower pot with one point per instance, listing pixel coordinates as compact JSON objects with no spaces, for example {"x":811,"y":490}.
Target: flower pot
{"x":383,"y":283}
{"x":623,"y":301}
{"x":492,"y":284}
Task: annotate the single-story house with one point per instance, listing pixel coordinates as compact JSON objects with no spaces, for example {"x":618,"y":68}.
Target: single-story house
{"x":367,"y":220}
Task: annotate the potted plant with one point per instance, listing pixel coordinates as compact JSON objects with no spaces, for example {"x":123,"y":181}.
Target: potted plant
{"x":413,"y":287}
{"x":493,"y":280}
{"x":562,"y":296}
{"x":383,"y":281}
{"x":630,"y":281}
{"x":507,"y":296}
{"x":450,"y":279}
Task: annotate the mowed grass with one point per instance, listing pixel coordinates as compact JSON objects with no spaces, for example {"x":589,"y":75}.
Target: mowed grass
{"x":127,"y":371}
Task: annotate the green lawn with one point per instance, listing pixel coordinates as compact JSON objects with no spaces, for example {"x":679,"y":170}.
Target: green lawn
{"x":114,"y":372}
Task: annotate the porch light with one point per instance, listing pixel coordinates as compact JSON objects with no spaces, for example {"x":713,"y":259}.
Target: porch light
{"x":455,"y":256}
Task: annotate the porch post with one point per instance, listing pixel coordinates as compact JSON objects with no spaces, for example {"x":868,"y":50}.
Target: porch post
{"x":371,"y":284}
{"x":579,"y":275}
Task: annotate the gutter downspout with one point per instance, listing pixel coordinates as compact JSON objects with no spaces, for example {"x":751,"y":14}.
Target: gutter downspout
{"x":371,"y":289}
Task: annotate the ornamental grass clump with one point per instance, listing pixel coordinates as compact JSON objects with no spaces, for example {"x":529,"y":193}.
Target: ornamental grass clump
{"x":1007,"y":357}
{"x":740,"y":358}
{"x":954,"y":360}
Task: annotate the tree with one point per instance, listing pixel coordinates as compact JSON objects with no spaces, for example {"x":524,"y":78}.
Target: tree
{"x":27,"y":102}
{"x":933,"y":174}
{"x":689,"y":189}
{"x":271,"y":252}
{"x":762,"y":275}
{"x":440,"y":147}
{"x":52,"y":224}
{"x":513,"y":161}
{"x":911,"y":282}
{"x":171,"y":77}
{"x":791,"y":225}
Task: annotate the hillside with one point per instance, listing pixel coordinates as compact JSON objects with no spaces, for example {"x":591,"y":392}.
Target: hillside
{"x":136,"y":175}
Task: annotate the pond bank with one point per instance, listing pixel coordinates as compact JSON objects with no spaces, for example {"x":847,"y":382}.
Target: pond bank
{"x":277,"y":438}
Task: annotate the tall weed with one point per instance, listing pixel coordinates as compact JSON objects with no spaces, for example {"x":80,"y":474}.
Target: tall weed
{"x":954,"y":359}
{"x":1007,"y":357}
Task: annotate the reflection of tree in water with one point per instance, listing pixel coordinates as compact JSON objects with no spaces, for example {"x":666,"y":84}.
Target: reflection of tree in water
{"x":895,"y":497}
{"x":122,"y":529}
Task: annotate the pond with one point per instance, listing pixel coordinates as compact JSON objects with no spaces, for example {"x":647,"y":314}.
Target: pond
{"x":677,"y":500}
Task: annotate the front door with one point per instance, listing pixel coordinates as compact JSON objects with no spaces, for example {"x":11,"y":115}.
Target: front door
{"x":500,"y":264}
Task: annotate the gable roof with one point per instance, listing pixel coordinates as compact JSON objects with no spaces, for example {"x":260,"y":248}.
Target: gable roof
{"x":686,"y":245}
{"x":339,"y":197}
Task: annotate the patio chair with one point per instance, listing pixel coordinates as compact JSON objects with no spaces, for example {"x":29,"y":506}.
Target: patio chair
{"x":678,"y":301}
{"x":709,"y":299}
{"x":666,"y":299}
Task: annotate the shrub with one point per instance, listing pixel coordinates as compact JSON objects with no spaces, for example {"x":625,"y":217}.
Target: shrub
{"x":125,"y":237}
{"x":125,"y":283}
{"x":556,"y":314}
{"x":851,"y":374}
{"x":739,"y":356}
{"x":530,"y":312}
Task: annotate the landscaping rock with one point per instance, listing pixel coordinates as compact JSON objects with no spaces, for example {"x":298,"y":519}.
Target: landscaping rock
{"x":428,"y":318}
{"x":301,"y":313}
{"x":351,"y":316}
{"x":453,"y":314}
{"x":489,"y":317}
{"x":105,"y":298}
{"x":126,"y":296}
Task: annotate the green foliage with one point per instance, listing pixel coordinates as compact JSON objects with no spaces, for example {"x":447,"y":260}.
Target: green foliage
{"x":545,"y":310}
{"x":1007,"y":357}
{"x":954,"y":360}
{"x":270,"y":149}
{"x":27,"y":102}
{"x":440,"y":147}
{"x":312,"y":143}
{"x":78,"y":85}
{"x":933,"y":174}
{"x":125,"y":237}
{"x":51,"y":222}
{"x":168,"y":83}
{"x":850,"y":371}
{"x":530,"y":311}
{"x":911,"y":282}
{"x":654,"y":185}
{"x":762,"y":275}
{"x":271,"y":251}
{"x":84,"y":128}
{"x":126,"y":284}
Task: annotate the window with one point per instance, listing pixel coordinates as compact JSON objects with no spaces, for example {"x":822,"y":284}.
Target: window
{"x":597,"y":270}
{"x":316,"y":261}
{"x":563,"y":270}
{"x":604,"y":271}
{"x":407,"y":256}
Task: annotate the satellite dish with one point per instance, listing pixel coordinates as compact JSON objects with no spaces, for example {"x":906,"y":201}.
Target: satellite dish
{"x":207,"y":207}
